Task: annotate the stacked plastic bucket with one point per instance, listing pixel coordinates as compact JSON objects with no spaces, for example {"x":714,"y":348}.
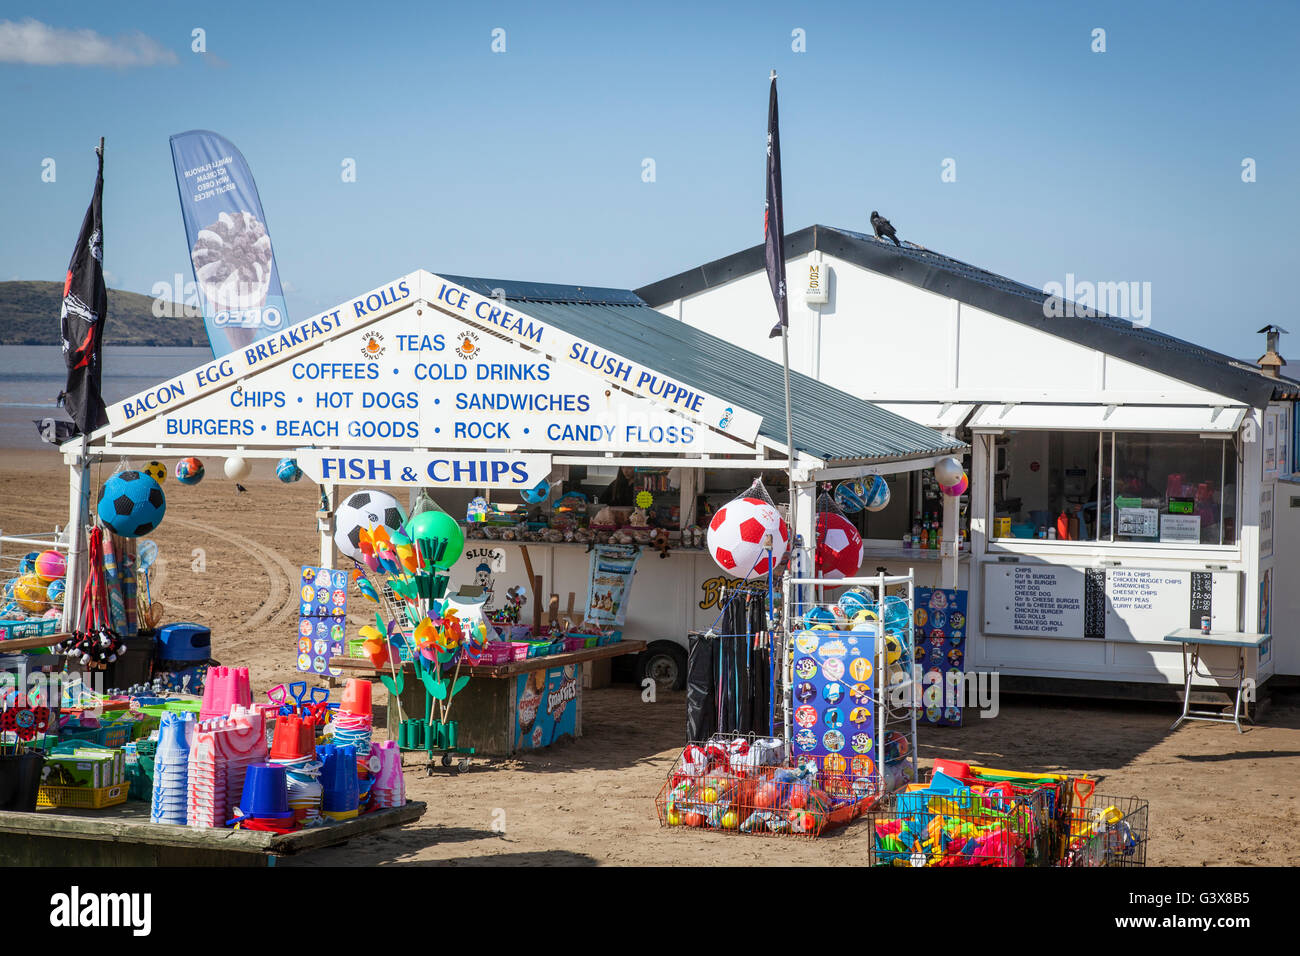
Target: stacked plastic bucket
{"x":342,"y":798}
{"x":388,"y":788}
{"x":293,"y":747}
{"x":171,"y":768}
{"x":353,"y":724}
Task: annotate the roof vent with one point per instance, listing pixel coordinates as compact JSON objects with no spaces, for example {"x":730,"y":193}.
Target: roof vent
{"x":1271,"y":362}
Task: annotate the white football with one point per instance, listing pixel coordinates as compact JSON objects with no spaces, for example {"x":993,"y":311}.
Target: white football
{"x":736,"y":536}
{"x":364,"y":509}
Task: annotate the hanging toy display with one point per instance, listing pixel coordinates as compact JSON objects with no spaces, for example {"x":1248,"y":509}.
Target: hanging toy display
{"x":948,"y":471}
{"x":237,"y":469}
{"x":537,"y":494}
{"x":738,"y":530}
{"x":131,"y":504}
{"x":287,"y":470}
{"x":839,"y":547}
{"x":156,"y":470}
{"x":851,"y":496}
{"x":92,"y":642}
{"x":189,"y":471}
{"x":877,"y":495}
{"x":362,"y":511}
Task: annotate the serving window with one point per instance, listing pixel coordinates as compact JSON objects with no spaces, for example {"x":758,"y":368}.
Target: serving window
{"x":1158,"y":487}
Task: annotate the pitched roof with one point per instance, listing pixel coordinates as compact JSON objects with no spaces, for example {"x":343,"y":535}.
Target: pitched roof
{"x":944,"y":275}
{"x":829,"y":424}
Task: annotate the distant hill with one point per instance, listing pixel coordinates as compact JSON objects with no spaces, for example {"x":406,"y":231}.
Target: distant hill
{"x":29,"y":315}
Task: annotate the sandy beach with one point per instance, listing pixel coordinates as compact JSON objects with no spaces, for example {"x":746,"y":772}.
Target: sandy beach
{"x":227,"y":560}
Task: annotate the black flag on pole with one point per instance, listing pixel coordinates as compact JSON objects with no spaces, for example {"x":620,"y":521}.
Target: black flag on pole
{"x":85,"y":307}
{"x":773,"y":220}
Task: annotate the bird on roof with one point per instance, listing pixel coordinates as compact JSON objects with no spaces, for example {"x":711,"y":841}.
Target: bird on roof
{"x":883,"y":227}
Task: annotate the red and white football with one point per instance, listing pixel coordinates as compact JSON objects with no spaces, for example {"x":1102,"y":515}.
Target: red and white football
{"x":839,"y":547}
{"x":736,"y":536}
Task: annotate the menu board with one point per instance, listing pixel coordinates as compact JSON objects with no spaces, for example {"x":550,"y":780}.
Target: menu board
{"x":1033,"y":600}
{"x":834,"y":717}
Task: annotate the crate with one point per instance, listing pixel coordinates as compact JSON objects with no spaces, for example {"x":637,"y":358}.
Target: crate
{"x":83,"y":798}
{"x":725,"y":793}
{"x":519,"y":650}
{"x":921,"y":827}
{"x":496,"y":652}
{"x":109,"y":735}
{"x":1107,"y":831}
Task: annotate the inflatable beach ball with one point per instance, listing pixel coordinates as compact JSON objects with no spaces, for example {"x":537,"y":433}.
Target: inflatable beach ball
{"x":363,"y":510}
{"x":948,"y":471}
{"x":131,"y":504}
{"x":877,"y":496}
{"x":736,"y":534}
{"x":287,"y":470}
{"x":850,"y":496}
{"x":237,"y":469}
{"x":189,"y":471}
{"x":55,"y":590}
{"x":29,"y":593}
{"x":839,"y":546}
{"x":958,"y":489}
{"x":50,"y":565}
{"x":156,"y":470}
{"x":435,"y":527}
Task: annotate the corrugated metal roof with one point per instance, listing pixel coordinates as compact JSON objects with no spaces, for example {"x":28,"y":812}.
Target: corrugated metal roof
{"x":1000,"y":295}
{"x":828,"y":424}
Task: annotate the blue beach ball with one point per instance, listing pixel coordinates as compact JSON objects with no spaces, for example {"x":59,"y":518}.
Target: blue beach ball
{"x":288,"y":471}
{"x":850,"y":496}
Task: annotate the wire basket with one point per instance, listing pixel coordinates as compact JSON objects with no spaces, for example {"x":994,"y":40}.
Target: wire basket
{"x":83,"y":798}
{"x":747,"y":784}
{"x":1108,"y":831}
{"x":924,"y":828}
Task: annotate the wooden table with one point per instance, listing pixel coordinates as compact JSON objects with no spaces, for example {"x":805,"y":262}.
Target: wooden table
{"x":1194,"y":642}
{"x":485,"y":711}
{"x":123,"y":836}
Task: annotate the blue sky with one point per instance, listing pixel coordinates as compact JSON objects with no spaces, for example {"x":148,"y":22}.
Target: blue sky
{"x":1115,"y":166}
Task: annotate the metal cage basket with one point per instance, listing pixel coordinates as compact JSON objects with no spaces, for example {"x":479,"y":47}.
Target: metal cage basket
{"x":1107,"y":831}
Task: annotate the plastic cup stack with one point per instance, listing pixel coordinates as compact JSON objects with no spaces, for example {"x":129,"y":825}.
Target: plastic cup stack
{"x":389,"y":786}
{"x":171,"y":768}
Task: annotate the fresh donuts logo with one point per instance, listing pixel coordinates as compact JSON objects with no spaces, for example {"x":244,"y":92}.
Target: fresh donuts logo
{"x":467,"y":346}
{"x":372,"y":346}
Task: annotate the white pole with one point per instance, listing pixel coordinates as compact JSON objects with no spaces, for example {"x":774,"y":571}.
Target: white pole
{"x":950,"y":542}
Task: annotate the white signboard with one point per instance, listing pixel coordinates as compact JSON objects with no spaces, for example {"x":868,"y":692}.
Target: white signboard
{"x":424,"y":469}
{"x":1180,"y":528}
{"x":430,"y":381}
{"x":1033,"y":600}
{"x":1139,"y":522}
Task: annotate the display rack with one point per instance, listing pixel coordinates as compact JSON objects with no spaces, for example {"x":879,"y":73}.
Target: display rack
{"x":802,"y":595}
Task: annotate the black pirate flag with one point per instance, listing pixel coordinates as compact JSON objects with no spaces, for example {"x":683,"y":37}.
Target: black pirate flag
{"x":85,"y":307}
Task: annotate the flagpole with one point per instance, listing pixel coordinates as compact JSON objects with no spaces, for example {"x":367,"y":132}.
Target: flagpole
{"x":80,"y":513}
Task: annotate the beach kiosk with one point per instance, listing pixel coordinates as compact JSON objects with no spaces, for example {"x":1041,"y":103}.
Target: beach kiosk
{"x":1124,"y":484}
{"x":468,"y":388}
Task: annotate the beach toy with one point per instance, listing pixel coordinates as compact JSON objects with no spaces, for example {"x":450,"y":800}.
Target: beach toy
{"x":839,"y":547}
{"x":439,"y":534}
{"x":364,"y":510}
{"x":50,"y":565}
{"x":877,"y":495}
{"x":131,"y":504}
{"x":737,"y":533}
{"x":224,"y":689}
{"x":538,"y":493}
{"x":156,"y":470}
{"x":189,"y":471}
{"x":28,"y":564}
{"x":30,"y":593}
{"x":948,"y":471}
{"x":237,"y":469}
{"x":851,"y":496}
{"x":287,"y":470}
{"x":356,"y":698}
{"x":339,"y":780}
{"x":266,"y":793}
{"x":958,"y":489}
{"x":294,"y":738}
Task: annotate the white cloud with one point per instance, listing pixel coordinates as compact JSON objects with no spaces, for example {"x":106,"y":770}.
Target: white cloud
{"x":38,"y":44}
{"x":287,"y":286}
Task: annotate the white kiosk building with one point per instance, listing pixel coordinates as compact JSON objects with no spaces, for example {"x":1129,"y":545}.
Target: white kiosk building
{"x":1123,"y":483}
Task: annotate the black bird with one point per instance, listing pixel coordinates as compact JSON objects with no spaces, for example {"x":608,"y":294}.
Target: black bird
{"x":240,"y":488}
{"x":883,"y":228}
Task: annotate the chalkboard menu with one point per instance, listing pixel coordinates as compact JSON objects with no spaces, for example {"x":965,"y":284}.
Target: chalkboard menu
{"x":1202,"y":597}
{"x":1094,"y":602}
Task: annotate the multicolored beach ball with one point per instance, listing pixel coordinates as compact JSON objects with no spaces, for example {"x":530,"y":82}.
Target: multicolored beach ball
{"x":288,"y":471}
{"x":131,"y":504}
{"x":189,"y":471}
{"x":850,"y":496}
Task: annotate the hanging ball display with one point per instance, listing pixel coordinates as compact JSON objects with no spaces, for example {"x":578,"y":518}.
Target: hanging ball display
{"x":55,"y":590}
{"x":28,"y":564}
{"x":877,"y":496}
{"x":237,"y":469}
{"x":156,"y":470}
{"x":851,"y":496}
{"x":839,"y":547}
{"x":29,"y":594}
{"x":50,"y":565}
{"x":948,"y":471}
{"x":131,"y":504}
{"x":538,"y":493}
{"x":361,"y":511}
{"x":436,"y":526}
{"x":189,"y":471}
{"x":736,"y":534}
{"x":287,"y":470}
{"x":957,"y":490}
